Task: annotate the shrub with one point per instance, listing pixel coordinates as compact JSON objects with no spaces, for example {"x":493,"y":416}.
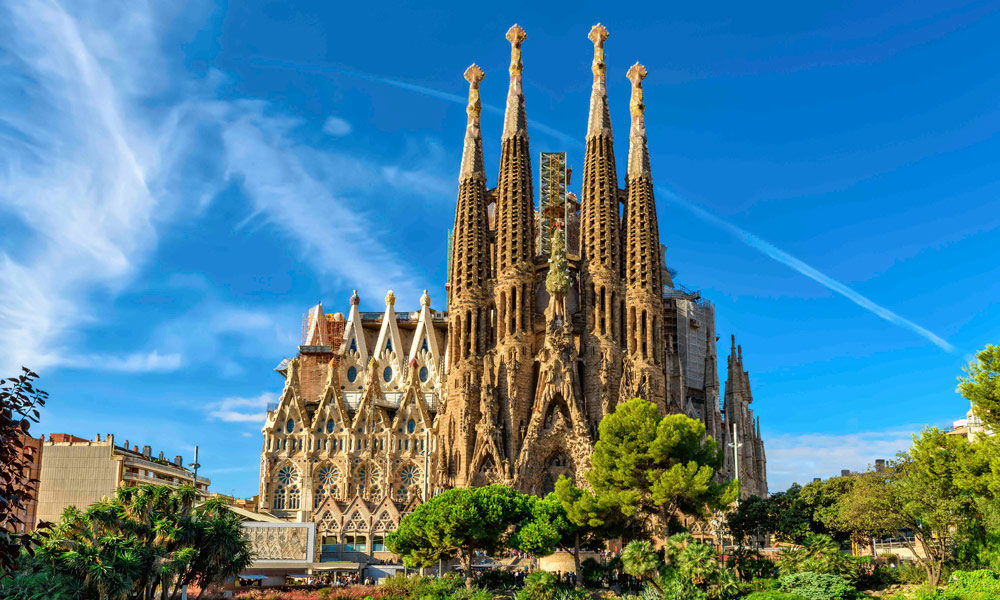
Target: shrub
{"x":496,"y":580}
{"x":909,"y":572}
{"x":816,"y":586}
{"x":542,"y":585}
{"x":749,"y":565}
{"x":772,"y":595}
{"x":976,"y":584}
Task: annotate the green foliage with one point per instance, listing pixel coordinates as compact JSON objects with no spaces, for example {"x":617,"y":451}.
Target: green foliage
{"x":460,"y":522}
{"x":816,"y":586}
{"x":124,"y":548}
{"x":818,"y":554}
{"x":749,"y":565}
{"x":656,"y":464}
{"x":416,"y":587}
{"x":983,"y":582}
{"x":753,"y":517}
{"x":981,"y":386}
{"x":496,"y":580}
{"x":772,"y":595}
{"x":641,"y":560}
{"x":542,"y":585}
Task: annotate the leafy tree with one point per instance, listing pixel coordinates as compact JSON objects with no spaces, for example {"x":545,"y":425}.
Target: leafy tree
{"x":821,"y":499}
{"x":981,"y":386}
{"x":792,"y":517}
{"x":684,"y":570}
{"x":19,"y":404}
{"x":752,"y":518}
{"x":819,"y":553}
{"x":866,"y":511}
{"x":146,"y":539}
{"x":458,"y":523}
{"x":659,"y":465}
{"x":571,"y":518}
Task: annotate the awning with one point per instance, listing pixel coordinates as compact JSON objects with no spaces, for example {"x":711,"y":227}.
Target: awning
{"x":251,"y":576}
{"x":299,"y":576}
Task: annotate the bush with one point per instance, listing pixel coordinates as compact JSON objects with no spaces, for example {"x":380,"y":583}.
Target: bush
{"x":542,"y":585}
{"x":976,"y":584}
{"x":496,"y":580}
{"x":911,"y":573}
{"x":816,"y":586}
{"x":750,"y":565}
{"x":772,"y":595}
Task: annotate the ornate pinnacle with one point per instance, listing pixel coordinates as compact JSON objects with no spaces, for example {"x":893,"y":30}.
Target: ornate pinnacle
{"x":515,"y":120}
{"x":355,"y":300}
{"x":598,"y":35}
{"x":636,"y":74}
{"x":390,"y":298}
{"x":599,"y":118}
{"x":472,"y":150}
{"x":425,"y":299}
{"x":638,"y":152}
{"x":515,"y":35}
{"x":474,"y":75}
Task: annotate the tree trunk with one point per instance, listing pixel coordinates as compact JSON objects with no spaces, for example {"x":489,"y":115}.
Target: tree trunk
{"x":466,"y":559}
{"x":576,"y":561}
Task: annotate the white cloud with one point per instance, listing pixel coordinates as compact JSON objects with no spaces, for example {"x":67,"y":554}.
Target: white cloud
{"x":148,"y":362}
{"x":798,"y":458}
{"x":336,"y":127}
{"x":241,"y":410}
{"x":90,"y":170}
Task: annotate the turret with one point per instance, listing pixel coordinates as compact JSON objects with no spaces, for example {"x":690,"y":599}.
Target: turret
{"x":643,"y":289}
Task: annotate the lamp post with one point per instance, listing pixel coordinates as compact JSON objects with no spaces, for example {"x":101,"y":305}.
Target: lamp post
{"x":735,"y":445}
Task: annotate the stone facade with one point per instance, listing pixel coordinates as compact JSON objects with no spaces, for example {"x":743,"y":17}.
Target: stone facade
{"x":508,"y":385}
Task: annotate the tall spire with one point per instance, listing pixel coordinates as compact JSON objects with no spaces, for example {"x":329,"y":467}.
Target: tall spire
{"x":472,"y":151}
{"x":515,"y":120}
{"x":638,"y":149}
{"x":599,"y":119}
{"x":515,"y":202}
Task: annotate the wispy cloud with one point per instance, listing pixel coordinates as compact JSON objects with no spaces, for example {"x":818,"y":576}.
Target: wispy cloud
{"x":336,"y":127}
{"x":799,"y":458}
{"x":801,"y":267}
{"x":91,"y":171}
{"x":241,"y":410}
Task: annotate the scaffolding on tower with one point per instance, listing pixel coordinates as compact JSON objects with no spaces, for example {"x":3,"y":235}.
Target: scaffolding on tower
{"x":551,"y":198}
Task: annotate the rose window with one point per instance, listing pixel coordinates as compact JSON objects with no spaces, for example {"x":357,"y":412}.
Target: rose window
{"x":409,"y":475}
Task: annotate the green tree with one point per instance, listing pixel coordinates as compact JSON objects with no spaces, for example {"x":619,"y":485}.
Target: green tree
{"x":147,"y":541}
{"x":754,"y":517}
{"x":981,"y":385}
{"x":458,"y":523}
{"x":660,"y":465}
{"x":867,"y":511}
{"x":570,"y":518}
{"x":821,"y":500}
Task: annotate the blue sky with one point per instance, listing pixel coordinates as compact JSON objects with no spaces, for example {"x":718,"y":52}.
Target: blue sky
{"x":179,"y":184}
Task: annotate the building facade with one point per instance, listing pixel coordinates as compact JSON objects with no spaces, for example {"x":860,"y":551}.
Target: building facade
{"x":79,"y":472}
{"x":553,"y":317}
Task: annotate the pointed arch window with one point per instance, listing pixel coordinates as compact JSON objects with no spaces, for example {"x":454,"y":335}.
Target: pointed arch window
{"x":279,"y":498}
{"x":423,"y":346}
{"x":388,"y":345}
{"x":293,"y":497}
{"x":354,"y":346}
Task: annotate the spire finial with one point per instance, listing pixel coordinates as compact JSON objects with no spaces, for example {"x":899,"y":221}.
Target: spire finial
{"x":472,"y":151}
{"x":638,"y":150}
{"x":390,"y":298}
{"x":355,"y":300}
{"x":515,"y":120}
{"x":599,"y":119}
{"x":425,"y":299}
{"x":732,"y":342}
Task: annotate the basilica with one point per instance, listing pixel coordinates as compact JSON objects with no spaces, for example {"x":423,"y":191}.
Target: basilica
{"x":556,"y":311}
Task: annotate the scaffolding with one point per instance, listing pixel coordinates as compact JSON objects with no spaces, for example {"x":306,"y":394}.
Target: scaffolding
{"x":551,"y":198}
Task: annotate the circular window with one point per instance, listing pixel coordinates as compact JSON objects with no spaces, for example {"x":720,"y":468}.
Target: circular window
{"x":287,"y":475}
{"x":330,"y":425}
{"x":352,"y":374}
{"x":410,"y":426}
{"x":387,"y":374}
{"x":409,"y":475}
{"x":329,"y":475}
{"x":423,"y":374}
{"x":290,"y":425}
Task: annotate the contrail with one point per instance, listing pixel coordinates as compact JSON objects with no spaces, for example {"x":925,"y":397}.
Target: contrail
{"x":411,"y":87}
{"x":797,"y":265}
{"x":745,"y":236}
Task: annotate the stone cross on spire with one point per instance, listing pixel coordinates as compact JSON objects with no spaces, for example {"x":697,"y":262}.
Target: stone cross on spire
{"x":638,"y":150}
{"x":472,"y":151}
{"x":515,"y":121}
{"x":599,"y":119}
